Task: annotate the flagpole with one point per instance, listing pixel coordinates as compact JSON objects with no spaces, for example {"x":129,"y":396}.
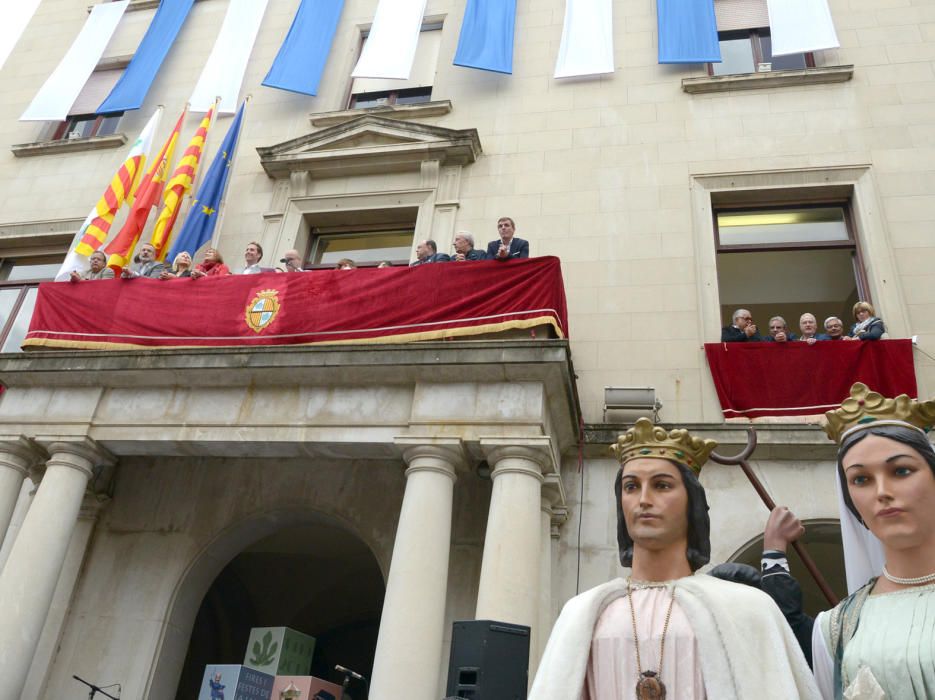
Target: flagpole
{"x":222,"y":205}
{"x":187,"y":199}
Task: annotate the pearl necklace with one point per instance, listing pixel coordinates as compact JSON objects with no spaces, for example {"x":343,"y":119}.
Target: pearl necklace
{"x":918,"y":580}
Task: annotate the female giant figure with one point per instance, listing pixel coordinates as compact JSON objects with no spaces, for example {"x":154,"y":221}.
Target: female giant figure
{"x":880,"y":641}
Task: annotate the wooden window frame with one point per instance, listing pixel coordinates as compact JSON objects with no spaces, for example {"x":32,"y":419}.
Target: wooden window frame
{"x":315,"y":232}
{"x":852,"y":243}
{"x":754,"y":35}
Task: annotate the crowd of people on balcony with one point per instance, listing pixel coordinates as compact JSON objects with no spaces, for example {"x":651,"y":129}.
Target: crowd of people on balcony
{"x":145,"y":263}
{"x":866,"y":326}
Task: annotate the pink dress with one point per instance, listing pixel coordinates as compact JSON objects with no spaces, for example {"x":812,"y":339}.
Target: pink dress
{"x":612,"y":670}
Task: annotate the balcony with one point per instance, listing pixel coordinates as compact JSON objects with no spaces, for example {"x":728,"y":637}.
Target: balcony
{"x":774,"y":380}
{"x":360,"y":306}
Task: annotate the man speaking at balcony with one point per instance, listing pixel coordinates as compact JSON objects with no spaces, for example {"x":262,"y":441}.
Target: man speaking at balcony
{"x":508,"y":246}
{"x":743,"y":329}
{"x":663,"y":632}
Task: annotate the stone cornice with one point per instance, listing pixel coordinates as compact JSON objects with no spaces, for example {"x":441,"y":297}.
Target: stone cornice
{"x":436,"y":108}
{"x":44,"y":148}
{"x":768,"y":79}
{"x":370,"y":144}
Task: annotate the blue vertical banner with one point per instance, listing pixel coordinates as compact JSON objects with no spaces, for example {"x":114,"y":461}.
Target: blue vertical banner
{"x":486,"y":40}
{"x":302,"y":56}
{"x":131,"y":89}
{"x":687,"y":31}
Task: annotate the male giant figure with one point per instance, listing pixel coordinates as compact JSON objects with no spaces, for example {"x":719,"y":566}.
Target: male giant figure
{"x":662,"y":631}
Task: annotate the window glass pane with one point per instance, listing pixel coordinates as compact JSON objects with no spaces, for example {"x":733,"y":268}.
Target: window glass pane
{"x":33,"y":271}
{"x":408,"y":97}
{"x":736,"y":57}
{"x":371,"y":99}
{"x":819,"y":224}
{"x":8,"y":298}
{"x":362,"y":247}
{"x":21,"y":323}
{"x":108,"y":126}
{"x":790,"y":62}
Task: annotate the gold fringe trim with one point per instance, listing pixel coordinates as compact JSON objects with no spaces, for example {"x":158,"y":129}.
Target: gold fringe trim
{"x":382,"y":340}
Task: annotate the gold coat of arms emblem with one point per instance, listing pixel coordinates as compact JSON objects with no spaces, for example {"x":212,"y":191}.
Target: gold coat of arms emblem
{"x":262,"y":309}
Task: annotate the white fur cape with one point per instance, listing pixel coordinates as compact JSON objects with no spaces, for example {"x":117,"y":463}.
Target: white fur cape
{"x":747,"y":650}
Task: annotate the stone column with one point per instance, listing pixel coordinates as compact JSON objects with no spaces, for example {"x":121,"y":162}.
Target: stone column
{"x":64,"y":593}
{"x":509,"y":577}
{"x":31,"y":573}
{"x":553,"y":514}
{"x":409,"y":644}
{"x":17,"y":456}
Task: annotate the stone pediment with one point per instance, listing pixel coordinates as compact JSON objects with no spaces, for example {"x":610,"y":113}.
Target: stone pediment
{"x":370,"y":144}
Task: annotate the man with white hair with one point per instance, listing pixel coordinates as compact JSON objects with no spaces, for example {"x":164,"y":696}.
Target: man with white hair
{"x":834,"y":327}
{"x":464,"y":248}
{"x":808,"y":324}
{"x":742,"y":330}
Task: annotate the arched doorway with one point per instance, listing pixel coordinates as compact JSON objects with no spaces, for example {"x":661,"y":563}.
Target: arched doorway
{"x":823,"y":540}
{"x":315,"y":577}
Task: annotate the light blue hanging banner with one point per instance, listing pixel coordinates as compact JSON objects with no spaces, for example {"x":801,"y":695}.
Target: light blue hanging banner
{"x":302,"y":56}
{"x":486,"y":40}
{"x":687,"y":31}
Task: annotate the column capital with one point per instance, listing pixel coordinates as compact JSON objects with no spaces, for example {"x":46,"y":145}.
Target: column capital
{"x":422,"y":452}
{"x":21,"y":454}
{"x":535,"y":449}
{"x":81,"y":453}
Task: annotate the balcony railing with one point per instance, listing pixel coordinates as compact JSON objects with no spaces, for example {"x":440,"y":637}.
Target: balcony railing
{"x":756,"y":380}
{"x":389,"y":305}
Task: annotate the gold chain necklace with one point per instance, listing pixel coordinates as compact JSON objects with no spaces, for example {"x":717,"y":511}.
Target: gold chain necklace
{"x":650,"y":685}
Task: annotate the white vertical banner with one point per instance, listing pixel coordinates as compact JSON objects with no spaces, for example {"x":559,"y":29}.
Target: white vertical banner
{"x":391,"y":45}
{"x":16,"y":15}
{"x":587,"y":46}
{"x":55,"y":98}
{"x":797,"y":26}
{"x":223,"y":74}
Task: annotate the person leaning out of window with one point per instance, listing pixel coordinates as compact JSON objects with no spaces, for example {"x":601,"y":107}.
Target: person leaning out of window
{"x":867,"y":326}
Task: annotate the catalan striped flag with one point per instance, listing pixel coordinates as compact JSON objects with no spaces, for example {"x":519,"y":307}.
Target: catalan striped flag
{"x":120,"y":250}
{"x":96,"y":226}
{"x":178,"y":186}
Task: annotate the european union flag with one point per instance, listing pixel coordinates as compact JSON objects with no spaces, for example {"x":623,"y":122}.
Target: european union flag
{"x":202,"y":218}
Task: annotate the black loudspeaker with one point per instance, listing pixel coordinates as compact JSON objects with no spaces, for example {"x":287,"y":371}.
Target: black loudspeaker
{"x":489,"y":660}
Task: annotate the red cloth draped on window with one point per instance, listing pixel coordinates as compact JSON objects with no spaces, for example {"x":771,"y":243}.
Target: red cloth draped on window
{"x":754,"y":380}
{"x":366,"y":305}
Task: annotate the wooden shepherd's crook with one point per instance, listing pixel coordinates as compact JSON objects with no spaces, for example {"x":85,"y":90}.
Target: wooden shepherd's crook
{"x":741,"y":461}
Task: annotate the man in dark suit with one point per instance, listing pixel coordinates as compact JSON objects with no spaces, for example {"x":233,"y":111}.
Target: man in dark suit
{"x":507,"y":247}
{"x":427,"y":252}
{"x":464,"y":248}
{"x":743,"y":329}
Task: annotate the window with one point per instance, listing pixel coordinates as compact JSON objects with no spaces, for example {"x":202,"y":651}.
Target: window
{"x":746,"y":47}
{"x":376,"y":235}
{"x":788,"y":260}
{"x":82,"y":122}
{"x":373,"y":92}
{"x":19,"y":287}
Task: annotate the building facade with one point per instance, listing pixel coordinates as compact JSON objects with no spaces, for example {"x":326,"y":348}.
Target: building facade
{"x":162,"y":502}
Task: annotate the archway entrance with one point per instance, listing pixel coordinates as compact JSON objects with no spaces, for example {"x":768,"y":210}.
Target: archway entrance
{"x":315,"y":578}
{"x":823,"y":540}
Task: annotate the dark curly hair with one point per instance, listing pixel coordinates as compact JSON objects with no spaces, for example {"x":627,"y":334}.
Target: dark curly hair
{"x":699,"y":523}
{"x":907,"y":436}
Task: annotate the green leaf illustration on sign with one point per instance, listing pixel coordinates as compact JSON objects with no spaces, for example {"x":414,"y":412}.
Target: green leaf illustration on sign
{"x":265,"y":655}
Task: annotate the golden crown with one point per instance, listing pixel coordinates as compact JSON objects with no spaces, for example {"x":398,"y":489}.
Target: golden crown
{"x":647,"y":440}
{"x":865,"y":409}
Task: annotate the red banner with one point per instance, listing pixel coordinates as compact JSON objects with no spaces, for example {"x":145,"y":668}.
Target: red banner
{"x":797,"y":379}
{"x":365,"y":305}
